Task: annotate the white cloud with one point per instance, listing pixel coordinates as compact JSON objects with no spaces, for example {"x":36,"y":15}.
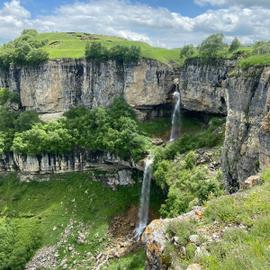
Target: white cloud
{"x":243,"y":3}
{"x":157,"y":26}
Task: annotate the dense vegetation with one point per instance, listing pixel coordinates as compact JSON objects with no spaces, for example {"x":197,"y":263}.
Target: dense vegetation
{"x":121,"y":54}
{"x":187,"y":182}
{"x":242,"y":223}
{"x":213,"y":49}
{"x":25,"y":50}
{"x":112,"y":130}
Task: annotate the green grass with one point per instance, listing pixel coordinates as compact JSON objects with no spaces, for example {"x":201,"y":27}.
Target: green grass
{"x":44,"y":209}
{"x":133,"y":261}
{"x":72,"y":45}
{"x":244,"y":244}
{"x":255,"y":60}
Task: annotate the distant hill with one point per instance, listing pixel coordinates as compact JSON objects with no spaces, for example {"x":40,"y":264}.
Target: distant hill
{"x":72,"y":45}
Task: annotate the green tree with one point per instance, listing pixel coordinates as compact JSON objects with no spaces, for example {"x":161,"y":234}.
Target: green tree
{"x":26,"y":120}
{"x":187,"y":51}
{"x":235,"y":45}
{"x":213,"y":46}
{"x":96,"y":51}
{"x":24,"y":50}
{"x":262,"y":47}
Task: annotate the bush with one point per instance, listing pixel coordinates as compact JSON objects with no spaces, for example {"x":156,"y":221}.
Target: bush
{"x":26,"y":49}
{"x":121,"y":54}
{"x":95,"y":51}
{"x":16,"y":247}
{"x":8,"y":96}
{"x":26,"y":120}
{"x":188,"y":184}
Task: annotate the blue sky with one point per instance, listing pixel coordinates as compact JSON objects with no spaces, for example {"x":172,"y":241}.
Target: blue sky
{"x":165,"y":23}
{"x":185,"y":7}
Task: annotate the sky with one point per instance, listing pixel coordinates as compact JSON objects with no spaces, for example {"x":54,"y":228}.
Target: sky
{"x":163,"y":23}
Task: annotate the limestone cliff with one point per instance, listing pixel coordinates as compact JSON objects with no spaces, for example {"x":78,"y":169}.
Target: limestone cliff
{"x":57,"y":86}
{"x":104,"y":166}
{"x":220,"y":88}
{"x":247,"y":94}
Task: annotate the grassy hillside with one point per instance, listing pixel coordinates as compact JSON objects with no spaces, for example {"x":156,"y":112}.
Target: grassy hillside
{"x":234,"y":233}
{"x":39,"y":214}
{"x":72,"y":45}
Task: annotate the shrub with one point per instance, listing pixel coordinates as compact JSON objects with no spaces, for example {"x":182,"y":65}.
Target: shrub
{"x":121,"y":54}
{"x":24,"y":50}
{"x":16,"y":247}
{"x":188,"y":184}
{"x":8,"y":96}
{"x":26,"y":120}
{"x":95,"y":51}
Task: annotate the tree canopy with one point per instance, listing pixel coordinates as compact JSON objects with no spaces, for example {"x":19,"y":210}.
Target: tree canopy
{"x":212,"y":46}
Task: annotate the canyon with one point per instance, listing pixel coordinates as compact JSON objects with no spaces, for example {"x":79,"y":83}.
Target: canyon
{"x":219,"y":88}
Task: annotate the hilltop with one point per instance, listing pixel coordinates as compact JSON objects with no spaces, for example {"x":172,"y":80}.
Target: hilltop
{"x":72,"y":45}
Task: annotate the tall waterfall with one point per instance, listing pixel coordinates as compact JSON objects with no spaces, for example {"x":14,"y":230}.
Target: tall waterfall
{"x":145,"y":197}
{"x":176,"y":117}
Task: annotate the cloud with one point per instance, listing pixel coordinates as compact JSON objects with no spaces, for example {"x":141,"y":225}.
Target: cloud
{"x":243,"y":3}
{"x":157,"y":26}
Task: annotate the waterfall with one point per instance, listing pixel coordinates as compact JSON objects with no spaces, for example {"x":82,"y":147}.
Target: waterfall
{"x":176,"y":117}
{"x":145,"y":197}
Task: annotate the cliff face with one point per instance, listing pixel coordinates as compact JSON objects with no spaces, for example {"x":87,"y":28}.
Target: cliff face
{"x":201,"y":87}
{"x":218,"y":88}
{"x":57,"y":86}
{"x":247,"y":106}
{"x":109,"y":168}
{"x":242,"y":96}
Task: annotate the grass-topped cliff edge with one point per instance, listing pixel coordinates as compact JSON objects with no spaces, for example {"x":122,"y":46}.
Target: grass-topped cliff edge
{"x":72,"y":45}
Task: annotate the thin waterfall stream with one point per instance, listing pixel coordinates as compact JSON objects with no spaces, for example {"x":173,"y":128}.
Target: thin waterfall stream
{"x":176,"y":117}
{"x":145,"y":197}
{"x":147,"y":175}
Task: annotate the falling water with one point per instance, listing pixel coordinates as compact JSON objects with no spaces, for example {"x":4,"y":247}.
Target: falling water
{"x":145,"y":197}
{"x":176,"y":117}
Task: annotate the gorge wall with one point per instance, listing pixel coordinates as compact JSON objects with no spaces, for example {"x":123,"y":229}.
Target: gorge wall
{"x":104,"y":167}
{"x":217,"y":88}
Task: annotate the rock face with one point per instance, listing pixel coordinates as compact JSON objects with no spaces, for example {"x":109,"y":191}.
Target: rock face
{"x":201,"y":86}
{"x":219,"y":88}
{"x":59,"y":85}
{"x":110,"y":169}
{"x":247,"y":94}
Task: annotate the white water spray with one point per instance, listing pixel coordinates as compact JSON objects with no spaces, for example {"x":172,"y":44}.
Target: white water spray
{"x":176,"y":117}
{"x":145,"y":197}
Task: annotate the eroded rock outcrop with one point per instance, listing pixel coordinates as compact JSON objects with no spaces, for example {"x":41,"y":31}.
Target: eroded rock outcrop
{"x":110,"y":169}
{"x":155,"y":239}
